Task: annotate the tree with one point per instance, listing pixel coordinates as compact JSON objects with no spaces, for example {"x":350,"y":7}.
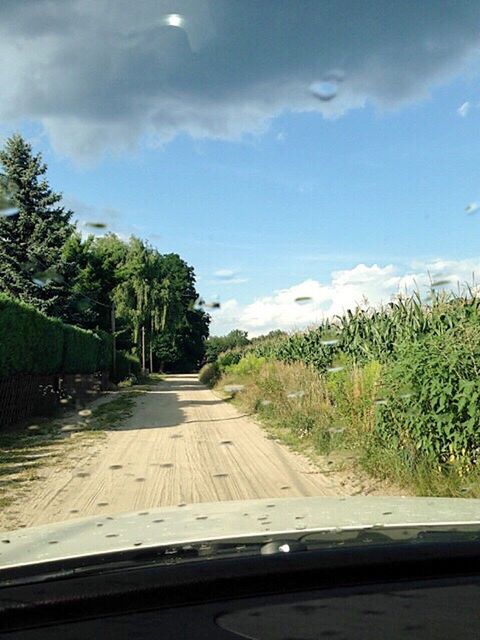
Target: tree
{"x":33,"y":236}
{"x":96,"y":264}
{"x":216,"y":344}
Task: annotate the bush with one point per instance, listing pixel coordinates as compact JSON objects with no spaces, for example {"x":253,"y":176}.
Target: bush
{"x":249,"y":365}
{"x":227,"y":358}
{"x":431,"y":400}
{"x":209,"y":374}
{"x":126,"y":366}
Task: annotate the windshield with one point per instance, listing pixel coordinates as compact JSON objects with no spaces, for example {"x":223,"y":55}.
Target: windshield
{"x":239,"y":260}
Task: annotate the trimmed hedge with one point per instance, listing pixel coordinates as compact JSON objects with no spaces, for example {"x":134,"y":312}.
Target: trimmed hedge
{"x":81,"y":350}
{"x":31,"y":342}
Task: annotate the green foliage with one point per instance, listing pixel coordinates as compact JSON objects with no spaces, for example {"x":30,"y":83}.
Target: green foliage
{"x":82,"y":350}
{"x":126,"y":365}
{"x":209,"y":374}
{"x":31,"y":240}
{"x":248,"y":365}
{"x":431,"y":399}
{"x":44,"y":261}
{"x":228,"y":358}
{"x":218,"y":344}
{"x":105,"y":354}
{"x":373,"y":334}
{"x":31,"y":342}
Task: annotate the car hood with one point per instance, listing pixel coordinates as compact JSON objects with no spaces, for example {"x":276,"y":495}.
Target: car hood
{"x":227,"y":521}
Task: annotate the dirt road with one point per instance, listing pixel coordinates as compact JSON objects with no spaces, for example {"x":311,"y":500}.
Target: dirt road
{"x":182,"y":445}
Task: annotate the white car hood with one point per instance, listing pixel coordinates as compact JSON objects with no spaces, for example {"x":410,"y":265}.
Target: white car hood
{"x":221,"y":521}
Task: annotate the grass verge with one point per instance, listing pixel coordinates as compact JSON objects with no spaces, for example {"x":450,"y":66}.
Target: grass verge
{"x":332,"y":419}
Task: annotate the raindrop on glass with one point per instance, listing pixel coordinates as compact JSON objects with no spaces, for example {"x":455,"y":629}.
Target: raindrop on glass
{"x":472,"y":207}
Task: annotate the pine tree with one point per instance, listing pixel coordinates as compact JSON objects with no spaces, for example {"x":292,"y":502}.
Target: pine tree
{"x":33,"y":236}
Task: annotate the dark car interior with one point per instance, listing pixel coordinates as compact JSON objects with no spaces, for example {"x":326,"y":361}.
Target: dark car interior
{"x":427,"y":589}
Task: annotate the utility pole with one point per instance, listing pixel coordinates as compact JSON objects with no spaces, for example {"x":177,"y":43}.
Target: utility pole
{"x":114,"y":342}
{"x":151,"y":346}
{"x":143,"y":349}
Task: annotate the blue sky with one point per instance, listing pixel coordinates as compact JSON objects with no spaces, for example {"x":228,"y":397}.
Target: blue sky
{"x":276,"y":207}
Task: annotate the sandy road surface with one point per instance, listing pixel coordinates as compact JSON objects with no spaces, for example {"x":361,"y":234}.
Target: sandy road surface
{"x":181,"y":445}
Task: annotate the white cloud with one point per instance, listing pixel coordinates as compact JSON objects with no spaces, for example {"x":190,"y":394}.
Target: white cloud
{"x":101,"y":75}
{"x":227,"y":276}
{"x":346,"y":289}
{"x":224,"y":273}
{"x":464,"y":109}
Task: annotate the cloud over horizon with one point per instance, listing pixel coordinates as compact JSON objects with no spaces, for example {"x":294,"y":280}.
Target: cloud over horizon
{"x":102,"y":75}
{"x":363,"y":284}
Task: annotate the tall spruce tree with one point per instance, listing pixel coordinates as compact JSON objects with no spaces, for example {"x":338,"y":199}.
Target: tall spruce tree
{"x":32,"y":237}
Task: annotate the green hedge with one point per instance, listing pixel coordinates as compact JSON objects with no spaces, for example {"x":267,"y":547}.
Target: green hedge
{"x":125,"y":366}
{"x":31,"y":342}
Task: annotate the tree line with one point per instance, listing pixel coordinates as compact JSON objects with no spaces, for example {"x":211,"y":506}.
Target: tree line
{"x":146,"y":299}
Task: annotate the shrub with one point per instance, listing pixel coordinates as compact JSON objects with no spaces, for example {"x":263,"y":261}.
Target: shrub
{"x":209,"y":374}
{"x":227,"y":358}
{"x":249,"y":365}
{"x":126,"y":366}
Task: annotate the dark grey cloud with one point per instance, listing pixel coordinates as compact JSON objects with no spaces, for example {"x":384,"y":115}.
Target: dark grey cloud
{"x":100,"y":74}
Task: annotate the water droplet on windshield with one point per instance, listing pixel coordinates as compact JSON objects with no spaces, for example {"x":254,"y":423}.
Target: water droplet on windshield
{"x":96,"y":225}
{"x":472,"y":207}
{"x":85,"y":413}
{"x":303,"y":299}
{"x":8,"y":212}
{"x":327,"y":88}
{"x":173,"y":20}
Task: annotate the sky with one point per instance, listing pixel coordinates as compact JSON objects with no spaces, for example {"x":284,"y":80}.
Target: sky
{"x":327,"y":150}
